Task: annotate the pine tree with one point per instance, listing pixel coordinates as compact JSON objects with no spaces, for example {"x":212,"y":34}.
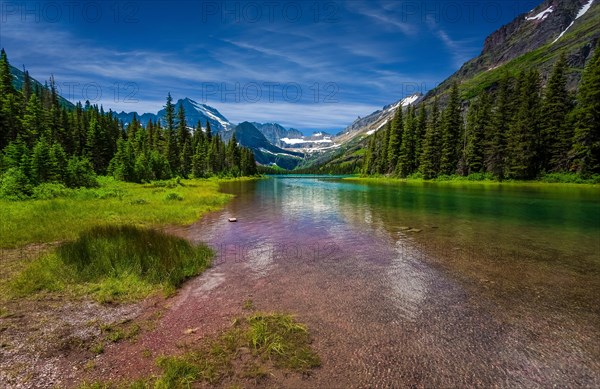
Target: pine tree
{"x":382,"y":150}
{"x":171,"y":147}
{"x":26,"y":89}
{"x":58,"y":163}
{"x":199,"y":160}
{"x":395,"y":140}
{"x":6,"y":78}
{"x":186,"y":159}
{"x":369,"y":156}
{"x":556,"y":134}
{"x":407,"y":160}
{"x":33,"y":122}
{"x":430,"y":155}
{"x":452,"y":124}
{"x":586,"y":142}
{"x":208,"y":132}
{"x":183,"y":133}
{"x":478,"y":124}
{"x":495,"y":139}
{"x":41,"y":170}
{"x":523,"y":137}
{"x":420,"y":129}
{"x":233,"y":156}
{"x":122,"y":166}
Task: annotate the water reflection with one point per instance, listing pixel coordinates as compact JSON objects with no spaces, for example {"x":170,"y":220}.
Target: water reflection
{"x":423,"y":285}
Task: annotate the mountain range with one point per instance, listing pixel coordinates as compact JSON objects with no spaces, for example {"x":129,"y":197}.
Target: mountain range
{"x":533,"y":40}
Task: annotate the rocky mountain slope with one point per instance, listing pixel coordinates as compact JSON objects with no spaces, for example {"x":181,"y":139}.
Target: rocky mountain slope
{"x":265,"y":152}
{"x":532,"y":40}
{"x":194,"y":112}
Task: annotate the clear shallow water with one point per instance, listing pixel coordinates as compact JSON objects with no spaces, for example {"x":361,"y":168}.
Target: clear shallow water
{"x":501,"y":286}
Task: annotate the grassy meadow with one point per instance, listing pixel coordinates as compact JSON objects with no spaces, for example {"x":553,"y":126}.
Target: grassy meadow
{"x":103,"y":241}
{"x":60,"y":214}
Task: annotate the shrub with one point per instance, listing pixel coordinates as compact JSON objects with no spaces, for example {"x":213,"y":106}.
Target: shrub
{"x":50,"y":190}
{"x":15,"y":185}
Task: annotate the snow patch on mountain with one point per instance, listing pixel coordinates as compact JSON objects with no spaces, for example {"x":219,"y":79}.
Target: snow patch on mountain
{"x":410,"y":99}
{"x":584,"y":9}
{"x":581,"y":12}
{"x":272,"y":153}
{"x":208,"y":111}
{"x":301,"y":141}
{"x":542,"y":15}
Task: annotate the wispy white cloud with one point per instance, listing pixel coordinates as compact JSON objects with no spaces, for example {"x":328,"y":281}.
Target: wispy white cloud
{"x":383,"y":15}
{"x":460,"y":49}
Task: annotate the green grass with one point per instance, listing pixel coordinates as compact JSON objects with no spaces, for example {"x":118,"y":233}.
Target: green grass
{"x":73,"y":211}
{"x":114,"y":263}
{"x":249,"y":350}
{"x":484,"y":179}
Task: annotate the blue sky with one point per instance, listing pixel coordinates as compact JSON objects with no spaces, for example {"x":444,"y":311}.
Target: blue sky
{"x":311,"y":65}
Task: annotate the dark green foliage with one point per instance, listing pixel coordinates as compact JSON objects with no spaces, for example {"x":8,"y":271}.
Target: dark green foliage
{"x":407,"y":160}
{"x":395,"y":140}
{"x":523,"y":148}
{"x":80,"y":173}
{"x":431,"y":150}
{"x":478,"y":124}
{"x":452,"y":124}
{"x":556,"y":131}
{"x":495,"y":139}
{"x":43,"y":142}
{"x":586,"y":143}
{"x":514,"y":130}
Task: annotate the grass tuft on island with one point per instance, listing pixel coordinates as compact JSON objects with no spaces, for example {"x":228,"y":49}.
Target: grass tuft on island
{"x":249,"y":350}
{"x":58,"y":213}
{"x":114,"y":263}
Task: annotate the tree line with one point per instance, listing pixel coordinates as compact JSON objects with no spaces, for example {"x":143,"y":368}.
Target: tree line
{"x":517,"y":131}
{"x":43,"y":141}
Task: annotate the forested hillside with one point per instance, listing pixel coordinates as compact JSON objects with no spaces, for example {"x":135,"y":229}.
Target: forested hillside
{"x":517,"y":130}
{"x":43,"y":141}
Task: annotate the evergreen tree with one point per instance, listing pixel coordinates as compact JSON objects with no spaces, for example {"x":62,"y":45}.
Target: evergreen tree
{"x":33,"y":122}
{"x":26,"y":89}
{"x":586,"y":142}
{"x":523,"y":137}
{"x":430,"y":155}
{"x":186,"y":159}
{"x":6,"y":78}
{"x":171,"y":149}
{"x":478,"y":124}
{"x":382,"y":149}
{"x":57,"y":163}
{"x":556,"y":134}
{"x":183,"y":133}
{"x":420,"y":129}
{"x":369,"y":156}
{"x":452,"y":124}
{"x":407,"y":161}
{"x":199,"y":160}
{"x":233,"y":156}
{"x":495,"y":139}
{"x":395,"y":140}
{"x":41,"y":170}
{"x":208,"y":132}
{"x":122,"y":166}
